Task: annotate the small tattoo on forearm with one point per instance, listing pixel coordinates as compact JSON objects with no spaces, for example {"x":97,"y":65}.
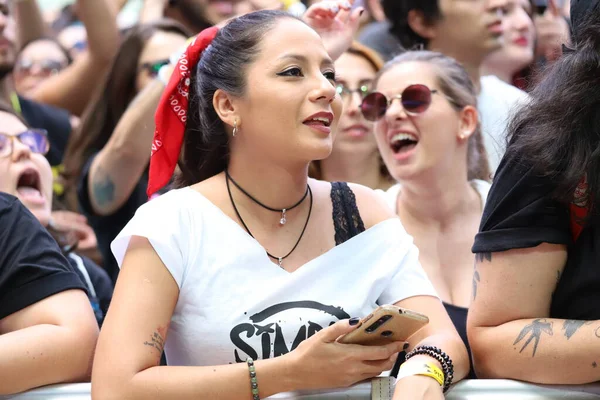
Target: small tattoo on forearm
{"x":103,"y":188}
{"x":597,"y":332}
{"x":484,"y":256}
{"x":571,"y":326}
{"x":157,"y":341}
{"x":594,"y":364}
{"x":535,"y":330}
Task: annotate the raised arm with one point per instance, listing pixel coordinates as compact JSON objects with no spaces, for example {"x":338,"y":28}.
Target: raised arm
{"x":73,"y":87}
{"x":117,"y":168}
{"x":51,"y":341}
{"x":29,"y":21}
{"x":509,"y":330}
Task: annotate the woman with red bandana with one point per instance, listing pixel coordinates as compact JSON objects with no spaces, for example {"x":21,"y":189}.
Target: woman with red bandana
{"x":249,"y":273}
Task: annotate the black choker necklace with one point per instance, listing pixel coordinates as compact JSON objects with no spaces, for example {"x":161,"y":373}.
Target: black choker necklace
{"x":283,"y":219}
{"x":308,"y":191}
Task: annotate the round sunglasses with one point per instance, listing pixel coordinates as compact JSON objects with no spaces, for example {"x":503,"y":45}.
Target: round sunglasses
{"x":35,"y":139}
{"x":154,"y":67}
{"x":415,"y":99}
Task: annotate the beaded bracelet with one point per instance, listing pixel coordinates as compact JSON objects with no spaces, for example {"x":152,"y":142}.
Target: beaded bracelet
{"x":253,"y":381}
{"x":441,"y":357}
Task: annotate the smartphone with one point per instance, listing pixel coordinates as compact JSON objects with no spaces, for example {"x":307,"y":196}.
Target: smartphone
{"x":385,"y":325}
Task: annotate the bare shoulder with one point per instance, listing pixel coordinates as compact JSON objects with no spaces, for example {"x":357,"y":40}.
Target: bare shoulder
{"x":372,"y":206}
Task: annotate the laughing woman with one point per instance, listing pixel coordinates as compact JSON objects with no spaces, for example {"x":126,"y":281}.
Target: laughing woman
{"x":242,"y":275}
{"x":430,"y":139}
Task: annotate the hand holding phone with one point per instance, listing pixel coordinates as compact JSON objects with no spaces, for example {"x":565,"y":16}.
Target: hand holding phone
{"x":385,"y":325}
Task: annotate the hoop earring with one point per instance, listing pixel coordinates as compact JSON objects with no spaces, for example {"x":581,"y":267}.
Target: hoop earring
{"x":235,"y":128}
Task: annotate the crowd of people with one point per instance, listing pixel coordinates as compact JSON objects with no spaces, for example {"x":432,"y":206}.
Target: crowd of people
{"x":216,"y":194}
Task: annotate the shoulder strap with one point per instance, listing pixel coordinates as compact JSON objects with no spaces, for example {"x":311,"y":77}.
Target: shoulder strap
{"x":579,"y":208}
{"x":346,"y":217}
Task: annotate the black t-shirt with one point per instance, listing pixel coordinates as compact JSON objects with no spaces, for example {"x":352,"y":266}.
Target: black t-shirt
{"x":108,"y":227}
{"x":520,"y":212}
{"x":54,"y":120}
{"x":32,"y":266}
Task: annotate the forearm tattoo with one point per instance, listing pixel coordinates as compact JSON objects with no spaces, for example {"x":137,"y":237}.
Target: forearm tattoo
{"x":103,"y":188}
{"x":157,"y":340}
{"x":534,"y":330}
{"x":571,"y":326}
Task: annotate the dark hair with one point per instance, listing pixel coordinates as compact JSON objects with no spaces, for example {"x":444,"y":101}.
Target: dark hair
{"x":396,"y":11}
{"x":222,"y":66}
{"x":48,"y":39}
{"x":454,"y":81}
{"x":112,"y":99}
{"x":558,"y":132}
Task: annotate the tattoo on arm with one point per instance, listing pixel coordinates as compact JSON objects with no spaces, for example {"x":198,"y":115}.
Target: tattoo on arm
{"x":476,"y":280}
{"x":157,"y":341}
{"x":103,"y":188}
{"x":534,"y":330}
{"x":483,"y":256}
{"x":479,"y":257}
{"x":571,"y":326}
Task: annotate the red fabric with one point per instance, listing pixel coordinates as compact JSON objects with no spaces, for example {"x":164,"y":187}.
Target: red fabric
{"x":171,"y":114}
{"x":579,"y":208}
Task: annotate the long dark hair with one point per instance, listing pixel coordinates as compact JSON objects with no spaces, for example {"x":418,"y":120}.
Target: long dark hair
{"x":558,"y":131}
{"x":112,"y":99}
{"x":222,"y":66}
{"x":397,"y":12}
{"x":454,"y":82}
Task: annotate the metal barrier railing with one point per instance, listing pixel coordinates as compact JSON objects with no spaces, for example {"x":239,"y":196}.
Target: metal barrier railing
{"x":379,"y":389}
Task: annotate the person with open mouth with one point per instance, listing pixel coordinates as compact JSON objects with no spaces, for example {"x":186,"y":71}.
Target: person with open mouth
{"x":26,"y":174}
{"x":427,"y":128}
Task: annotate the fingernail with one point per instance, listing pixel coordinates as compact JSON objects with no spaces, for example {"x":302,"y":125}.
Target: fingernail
{"x":335,"y":9}
{"x":354,"y":321}
{"x":346,"y":4}
{"x":406,"y":346}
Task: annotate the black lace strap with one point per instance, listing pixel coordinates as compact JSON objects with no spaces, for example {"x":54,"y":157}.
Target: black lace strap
{"x":346,"y":217}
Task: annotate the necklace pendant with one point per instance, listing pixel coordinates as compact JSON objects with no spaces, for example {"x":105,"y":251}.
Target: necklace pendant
{"x":283,"y":220}
{"x":280,"y":259}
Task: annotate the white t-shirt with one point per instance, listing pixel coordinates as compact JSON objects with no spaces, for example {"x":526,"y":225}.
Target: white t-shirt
{"x":234,"y":302}
{"x":497,"y":102}
{"x":391,"y":195}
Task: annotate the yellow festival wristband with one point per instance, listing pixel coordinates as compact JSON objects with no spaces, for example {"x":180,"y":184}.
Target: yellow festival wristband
{"x":421,"y":368}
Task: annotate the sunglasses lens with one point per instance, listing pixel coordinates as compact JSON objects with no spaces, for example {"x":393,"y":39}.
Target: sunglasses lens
{"x":36,"y":141}
{"x":373,"y":106}
{"x":416,"y":98}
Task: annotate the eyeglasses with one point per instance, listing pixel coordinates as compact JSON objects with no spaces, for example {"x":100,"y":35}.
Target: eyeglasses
{"x":46,"y":67}
{"x":35,"y":139}
{"x":346,"y":92}
{"x":154,"y":67}
{"x":415,"y":99}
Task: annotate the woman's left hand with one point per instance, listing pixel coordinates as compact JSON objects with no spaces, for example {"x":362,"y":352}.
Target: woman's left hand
{"x":418,"y":387}
{"x":336,"y":22}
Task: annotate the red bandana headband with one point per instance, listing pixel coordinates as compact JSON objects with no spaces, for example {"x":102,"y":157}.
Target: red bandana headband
{"x":171,"y":114}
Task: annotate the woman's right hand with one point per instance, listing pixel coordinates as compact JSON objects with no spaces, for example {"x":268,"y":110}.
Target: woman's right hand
{"x":321,"y":362}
